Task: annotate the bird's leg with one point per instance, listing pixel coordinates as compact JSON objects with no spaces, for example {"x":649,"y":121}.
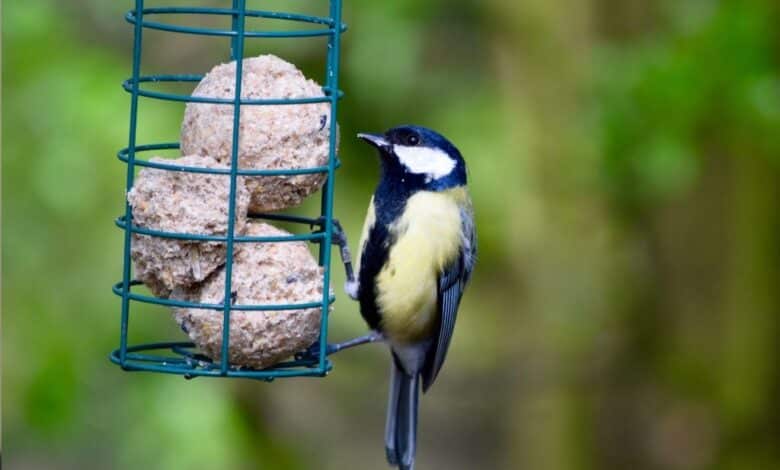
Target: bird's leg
{"x":372,"y":337}
{"x":340,"y":239}
{"x":313,"y":352}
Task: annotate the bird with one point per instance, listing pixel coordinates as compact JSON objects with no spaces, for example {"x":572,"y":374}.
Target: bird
{"x":417,"y":253}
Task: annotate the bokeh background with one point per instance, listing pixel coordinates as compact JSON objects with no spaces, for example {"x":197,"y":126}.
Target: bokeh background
{"x":625,"y":166}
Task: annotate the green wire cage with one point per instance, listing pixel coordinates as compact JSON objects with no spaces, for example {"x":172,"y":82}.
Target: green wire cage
{"x":181,"y":357}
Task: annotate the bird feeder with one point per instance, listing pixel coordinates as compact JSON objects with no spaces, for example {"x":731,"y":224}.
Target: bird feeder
{"x":181,"y":357}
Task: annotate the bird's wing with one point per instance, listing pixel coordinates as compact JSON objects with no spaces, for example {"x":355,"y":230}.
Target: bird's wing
{"x":452,"y":282}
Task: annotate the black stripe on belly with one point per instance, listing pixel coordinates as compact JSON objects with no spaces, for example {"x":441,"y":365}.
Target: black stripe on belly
{"x":372,"y":259}
{"x":390,"y":199}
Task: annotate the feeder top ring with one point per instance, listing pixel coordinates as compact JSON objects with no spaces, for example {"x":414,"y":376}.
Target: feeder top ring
{"x":131,"y":18}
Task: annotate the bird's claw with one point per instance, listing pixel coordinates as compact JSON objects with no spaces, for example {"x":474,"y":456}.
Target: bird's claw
{"x":351,"y":289}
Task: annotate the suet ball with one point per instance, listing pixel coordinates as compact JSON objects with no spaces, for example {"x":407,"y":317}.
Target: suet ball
{"x":181,"y":202}
{"x":271,"y":137}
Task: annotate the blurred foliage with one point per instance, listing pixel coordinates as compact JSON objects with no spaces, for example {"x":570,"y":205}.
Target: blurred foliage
{"x":710,"y":84}
{"x":625,"y":166}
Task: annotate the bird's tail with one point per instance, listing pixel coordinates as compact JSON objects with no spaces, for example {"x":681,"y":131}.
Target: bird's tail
{"x":401,"y":425}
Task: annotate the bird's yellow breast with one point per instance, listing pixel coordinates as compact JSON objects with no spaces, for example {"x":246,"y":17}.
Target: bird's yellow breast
{"x":428,"y":238}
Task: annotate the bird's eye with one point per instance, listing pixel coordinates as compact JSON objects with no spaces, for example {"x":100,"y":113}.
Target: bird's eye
{"x":412,"y":140}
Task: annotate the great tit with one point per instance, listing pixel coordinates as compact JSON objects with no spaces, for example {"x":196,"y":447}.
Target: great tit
{"x":417,"y":251}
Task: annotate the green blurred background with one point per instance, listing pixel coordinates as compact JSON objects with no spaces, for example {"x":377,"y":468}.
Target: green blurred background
{"x":625,"y":166}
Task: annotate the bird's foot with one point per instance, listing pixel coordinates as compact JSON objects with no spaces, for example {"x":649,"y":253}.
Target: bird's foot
{"x":351,"y":288}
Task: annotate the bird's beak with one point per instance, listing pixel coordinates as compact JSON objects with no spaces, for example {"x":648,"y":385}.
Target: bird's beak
{"x":377,"y":140}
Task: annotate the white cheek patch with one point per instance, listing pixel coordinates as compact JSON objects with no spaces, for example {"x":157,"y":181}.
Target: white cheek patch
{"x":433,"y":163}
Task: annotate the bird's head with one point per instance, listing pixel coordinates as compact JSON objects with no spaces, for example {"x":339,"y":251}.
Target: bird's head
{"x":419,"y":158}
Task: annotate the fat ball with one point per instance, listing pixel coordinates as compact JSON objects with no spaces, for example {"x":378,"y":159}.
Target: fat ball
{"x":271,"y":137}
{"x":181,"y":202}
{"x":263,"y":273}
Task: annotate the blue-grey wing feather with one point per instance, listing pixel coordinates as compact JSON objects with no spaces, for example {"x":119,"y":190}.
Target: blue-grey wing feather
{"x":452,"y":282}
